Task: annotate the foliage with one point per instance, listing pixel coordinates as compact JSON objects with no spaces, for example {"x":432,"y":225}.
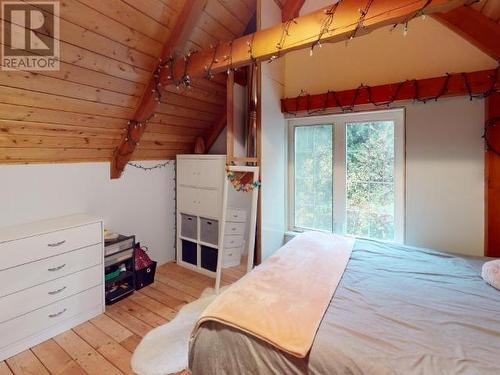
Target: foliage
{"x":370,"y":178}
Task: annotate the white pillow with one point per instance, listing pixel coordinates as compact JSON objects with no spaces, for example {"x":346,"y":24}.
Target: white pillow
{"x":491,"y":273}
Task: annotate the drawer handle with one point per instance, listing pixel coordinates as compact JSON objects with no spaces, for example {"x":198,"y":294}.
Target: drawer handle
{"x":190,"y":219}
{"x":57,"y":314}
{"x":56,"y":243}
{"x":209,"y":222}
{"x":233,"y":228}
{"x":57,"y":268}
{"x":235,"y":216}
{"x":57,"y":291}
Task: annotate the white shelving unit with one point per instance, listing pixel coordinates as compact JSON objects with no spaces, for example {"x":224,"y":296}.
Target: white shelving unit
{"x":201,"y":210}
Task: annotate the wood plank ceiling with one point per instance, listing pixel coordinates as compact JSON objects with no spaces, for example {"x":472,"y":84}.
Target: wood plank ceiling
{"x":109,"y":50}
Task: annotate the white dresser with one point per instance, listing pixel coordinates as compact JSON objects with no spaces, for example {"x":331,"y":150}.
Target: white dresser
{"x":234,"y":236}
{"x":51,"y":279}
{"x":200,"y":211}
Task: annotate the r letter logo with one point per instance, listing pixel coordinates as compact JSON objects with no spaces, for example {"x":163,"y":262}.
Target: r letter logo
{"x":30,"y":35}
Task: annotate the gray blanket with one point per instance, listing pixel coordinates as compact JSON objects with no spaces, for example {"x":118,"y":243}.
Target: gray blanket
{"x":397,"y":310}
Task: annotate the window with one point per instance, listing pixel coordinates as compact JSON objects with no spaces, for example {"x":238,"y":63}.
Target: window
{"x":347,"y":174}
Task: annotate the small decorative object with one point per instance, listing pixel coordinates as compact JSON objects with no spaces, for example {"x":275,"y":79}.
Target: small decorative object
{"x":242,"y":181}
{"x":199,"y":146}
{"x":110,"y":236}
{"x":491,"y":273}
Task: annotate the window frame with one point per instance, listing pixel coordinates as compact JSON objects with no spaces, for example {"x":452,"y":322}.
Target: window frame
{"x":339,"y":122}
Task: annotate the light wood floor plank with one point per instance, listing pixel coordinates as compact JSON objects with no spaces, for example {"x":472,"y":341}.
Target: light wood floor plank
{"x":111,"y":327}
{"x":153,"y":305}
{"x":173,"y":282}
{"x":25,"y":363}
{"x":188,"y":277}
{"x":131,"y":343}
{"x":56,"y":360}
{"x":172,"y":292}
{"x":131,"y":322}
{"x":86,"y":356}
{"x":106,"y":346}
{"x":163,"y":298}
{"x":4,"y":369}
{"x":141,"y":313}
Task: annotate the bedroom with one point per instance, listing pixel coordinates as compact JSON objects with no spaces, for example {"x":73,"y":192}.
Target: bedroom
{"x":356,"y":137}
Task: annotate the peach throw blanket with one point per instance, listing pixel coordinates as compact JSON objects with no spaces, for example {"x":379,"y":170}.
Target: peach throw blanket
{"x":283,"y":300}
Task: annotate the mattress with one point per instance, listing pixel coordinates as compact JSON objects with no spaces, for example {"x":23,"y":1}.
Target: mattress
{"x":397,"y":310}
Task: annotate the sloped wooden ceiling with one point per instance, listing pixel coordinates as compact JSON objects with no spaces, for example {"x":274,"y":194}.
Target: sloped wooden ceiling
{"x":109,"y":49}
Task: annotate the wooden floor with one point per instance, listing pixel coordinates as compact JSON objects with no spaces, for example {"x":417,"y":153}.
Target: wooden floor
{"x":104,"y":345}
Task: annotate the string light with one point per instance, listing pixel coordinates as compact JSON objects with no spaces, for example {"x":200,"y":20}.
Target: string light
{"x":418,"y":13}
{"x":185,"y":80}
{"x":414,"y":84}
{"x":361,"y":20}
{"x":229,"y":57}
{"x":488,"y":126}
{"x":157,"y":166}
{"x":285,"y":31}
{"x":325,"y":25}
{"x":250,"y":49}
{"x":208,"y":68}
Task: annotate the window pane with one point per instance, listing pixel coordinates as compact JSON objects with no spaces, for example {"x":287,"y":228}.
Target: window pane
{"x":313,"y":177}
{"x":370,"y":179}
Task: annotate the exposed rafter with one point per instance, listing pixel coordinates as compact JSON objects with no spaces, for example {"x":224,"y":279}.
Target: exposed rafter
{"x":291,"y":9}
{"x":450,"y":85}
{"x":262,"y":45}
{"x":475,"y":27}
{"x":185,"y":22}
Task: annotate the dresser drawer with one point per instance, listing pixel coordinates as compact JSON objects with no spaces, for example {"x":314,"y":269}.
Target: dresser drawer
{"x":234,"y":228}
{"x":231,"y":240}
{"x":41,"y":295}
{"x":28,"y":275}
{"x":48,"y":316}
{"x":29,"y":249}
{"x":232,"y":257}
{"x":235,"y":215}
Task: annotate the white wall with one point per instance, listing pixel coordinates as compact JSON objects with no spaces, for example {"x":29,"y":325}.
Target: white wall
{"x":140,"y":203}
{"x":445,"y":175}
{"x":429,"y":50}
{"x":273,"y":202}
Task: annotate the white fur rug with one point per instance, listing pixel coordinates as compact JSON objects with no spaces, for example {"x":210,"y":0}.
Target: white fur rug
{"x":164,"y":350}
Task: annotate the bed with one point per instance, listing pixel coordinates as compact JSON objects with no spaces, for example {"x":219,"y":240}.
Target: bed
{"x":397,"y":310}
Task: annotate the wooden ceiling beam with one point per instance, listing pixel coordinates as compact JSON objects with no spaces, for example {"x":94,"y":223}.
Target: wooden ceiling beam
{"x":291,"y":9}
{"x":478,"y":82}
{"x":186,"y":20}
{"x":475,"y":27}
{"x":262,"y":45}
